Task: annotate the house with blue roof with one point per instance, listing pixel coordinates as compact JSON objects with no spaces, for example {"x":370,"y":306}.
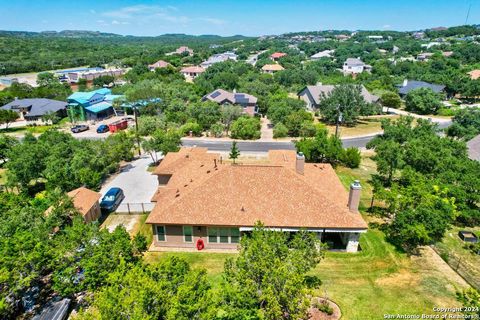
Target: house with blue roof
{"x":91,"y":105}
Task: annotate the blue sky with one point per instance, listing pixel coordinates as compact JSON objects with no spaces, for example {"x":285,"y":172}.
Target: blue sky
{"x":222,"y":17}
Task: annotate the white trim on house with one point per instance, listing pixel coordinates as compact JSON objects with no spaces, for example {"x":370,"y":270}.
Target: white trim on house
{"x":309,"y":230}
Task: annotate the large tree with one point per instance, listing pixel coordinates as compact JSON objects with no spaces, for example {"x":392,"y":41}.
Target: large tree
{"x":7,"y":117}
{"x":423,"y":101}
{"x":268,"y":278}
{"x":344,"y":104}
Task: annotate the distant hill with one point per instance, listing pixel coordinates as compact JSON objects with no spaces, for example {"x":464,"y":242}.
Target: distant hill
{"x":98,"y":34}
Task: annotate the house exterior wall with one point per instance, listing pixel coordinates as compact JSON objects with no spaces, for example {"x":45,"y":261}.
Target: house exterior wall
{"x":353,"y":69}
{"x":307,"y":97}
{"x":93,"y":214}
{"x":174,"y":238}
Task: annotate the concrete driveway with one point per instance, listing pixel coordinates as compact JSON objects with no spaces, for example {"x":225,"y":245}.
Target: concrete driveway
{"x":137,"y":183}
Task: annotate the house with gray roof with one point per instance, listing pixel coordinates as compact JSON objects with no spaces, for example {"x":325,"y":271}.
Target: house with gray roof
{"x":34,"y":109}
{"x":409,"y":85}
{"x":354,"y":66}
{"x":246,"y":101}
{"x":473,"y":147}
{"x":313,"y":94}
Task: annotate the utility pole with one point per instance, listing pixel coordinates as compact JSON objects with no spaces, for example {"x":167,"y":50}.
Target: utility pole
{"x":135,"y":106}
{"x":339,"y":119}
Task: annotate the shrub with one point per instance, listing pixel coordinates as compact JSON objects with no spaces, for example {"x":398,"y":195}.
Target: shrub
{"x":308,"y":129}
{"x":191,"y":126}
{"x":448,"y":112}
{"x":280,"y":130}
{"x":423,"y":101}
{"x":323,"y":306}
{"x":246,"y":128}
{"x":217,"y":130}
{"x":351,"y":157}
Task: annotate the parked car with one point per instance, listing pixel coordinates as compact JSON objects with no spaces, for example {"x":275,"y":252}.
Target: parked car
{"x":112,"y":199}
{"x":118,"y":125}
{"x":102,"y":128}
{"x":79,"y":128}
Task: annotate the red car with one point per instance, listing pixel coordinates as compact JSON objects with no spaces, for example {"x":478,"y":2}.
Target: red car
{"x":118,"y":125}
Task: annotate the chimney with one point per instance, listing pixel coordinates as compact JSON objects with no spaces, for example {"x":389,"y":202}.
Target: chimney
{"x":300,"y":163}
{"x":405,"y":82}
{"x":354,"y":196}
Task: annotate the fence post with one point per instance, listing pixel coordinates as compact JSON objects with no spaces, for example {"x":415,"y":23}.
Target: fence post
{"x":143,"y":208}
{"x":128,"y":208}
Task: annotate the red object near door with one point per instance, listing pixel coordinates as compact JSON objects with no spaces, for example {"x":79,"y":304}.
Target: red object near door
{"x":118,"y":125}
{"x":200,"y":244}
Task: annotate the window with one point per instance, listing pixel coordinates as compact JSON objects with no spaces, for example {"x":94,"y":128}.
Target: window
{"x":187,"y":233}
{"x":235,"y":235}
{"x":161,"y":233}
{"x":212,"y":235}
{"x":224,"y":235}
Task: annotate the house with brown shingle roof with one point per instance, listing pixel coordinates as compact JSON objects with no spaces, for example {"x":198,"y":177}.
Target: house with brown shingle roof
{"x":277,"y":55}
{"x":86,"y":202}
{"x":158,"y":65}
{"x":192,"y":72}
{"x":202,"y":198}
{"x":474,"y":74}
{"x":272,"y":68}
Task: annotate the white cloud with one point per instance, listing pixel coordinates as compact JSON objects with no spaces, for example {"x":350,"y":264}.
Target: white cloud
{"x":386,"y":26}
{"x":115,"y":22}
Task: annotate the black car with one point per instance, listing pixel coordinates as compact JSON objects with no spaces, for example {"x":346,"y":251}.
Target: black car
{"x":79,"y":128}
{"x":112,"y":199}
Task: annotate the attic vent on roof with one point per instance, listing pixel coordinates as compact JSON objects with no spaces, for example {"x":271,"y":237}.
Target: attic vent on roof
{"x":208,"y":171}
{"x":191,"y":180}
{"x":186,"y":185}
{"x":178,"y":190}
{"x":177,"y":195}
{"x":201,"y":165}
{"x":243,"y":209}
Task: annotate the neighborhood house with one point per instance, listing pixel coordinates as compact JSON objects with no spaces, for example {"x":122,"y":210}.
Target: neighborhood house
{"x":35,"y":109}
{"x":354,"y":66}
{"x":220,"y":57}
{"x":92,"y":105}
{"x":89,"y":74}
{"x":205,"y":202}
{"x":277,"y":55}
{"x":409,"y":85}
{"x":158,"y":65}
{"x":192,"y":72}
{"x":86,"y":202}
{"x":247,"y":101}
{"x":313,"y":94}
{"x":272,"y":68}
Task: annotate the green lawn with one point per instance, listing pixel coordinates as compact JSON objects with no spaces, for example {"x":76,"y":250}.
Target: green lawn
{"x":366,"y":285}
{"x":453,"y":251}
{"x":363,"y":174}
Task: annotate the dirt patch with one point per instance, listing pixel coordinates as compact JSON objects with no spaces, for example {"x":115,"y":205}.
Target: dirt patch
{"x":428,"y":257}
{"x":128,"y":221}
{"x":403,"y":278}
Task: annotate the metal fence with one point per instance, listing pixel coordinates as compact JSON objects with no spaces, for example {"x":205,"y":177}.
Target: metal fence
{"x":462,"y":267}
{"x":135,"y":208}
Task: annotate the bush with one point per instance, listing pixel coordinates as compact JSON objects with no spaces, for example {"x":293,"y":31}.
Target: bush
{"x":191,"y":126}
{"x":423,"y":101}
{"x":308,"y":129}
{"x":280,"y":130}
{"x":246,"y":128}
{"x":217,"y":130}
{"x":323,"y":306}
{"x":351,"y":157}
{"x":448,"y":112}
{"x":149,"y":124}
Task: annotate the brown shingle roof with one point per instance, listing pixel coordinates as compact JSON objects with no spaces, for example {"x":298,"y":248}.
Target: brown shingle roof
{"x":272,"y":67}
{"x":474,"y":74}
{"x":84,"y":199}
{"x":200,"y":193}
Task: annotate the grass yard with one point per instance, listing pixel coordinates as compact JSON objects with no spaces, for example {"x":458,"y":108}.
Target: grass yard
{"x":363,"y":174}
{"x":453,"y":251}
{"x":364,"y":126}
{"x":365,"y":285}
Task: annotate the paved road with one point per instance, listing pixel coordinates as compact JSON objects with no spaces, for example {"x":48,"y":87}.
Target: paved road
{"x":264,"y":146}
